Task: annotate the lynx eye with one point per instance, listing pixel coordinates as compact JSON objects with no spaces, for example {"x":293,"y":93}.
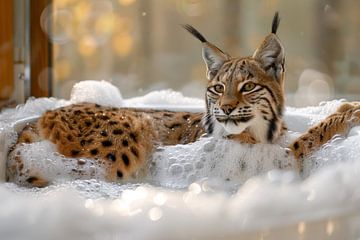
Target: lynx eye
{"x":219,"y":88}
{"x":248,"y":87}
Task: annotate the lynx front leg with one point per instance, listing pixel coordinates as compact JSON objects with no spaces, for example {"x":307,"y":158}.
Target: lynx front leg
{"x":347,"y":116}
{"x":30,"y":168}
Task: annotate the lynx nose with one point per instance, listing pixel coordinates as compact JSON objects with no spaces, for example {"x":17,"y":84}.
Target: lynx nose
{"x":227,"y":109}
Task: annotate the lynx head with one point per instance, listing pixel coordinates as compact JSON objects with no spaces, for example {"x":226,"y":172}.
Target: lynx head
{"x":245,"y":93}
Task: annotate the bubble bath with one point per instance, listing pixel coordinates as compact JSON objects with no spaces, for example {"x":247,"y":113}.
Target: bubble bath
{"x":210,"y":189}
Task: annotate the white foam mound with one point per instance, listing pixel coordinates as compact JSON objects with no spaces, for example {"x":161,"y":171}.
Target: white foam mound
{"x":100,"y":92}
{"x":166,"y":99}
{"x":211,"y":189}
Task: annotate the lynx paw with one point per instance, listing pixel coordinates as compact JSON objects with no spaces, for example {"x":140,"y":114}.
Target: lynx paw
{"x":347,"y":106}
{"x":351,"y":111}
{"x":355,"y":117}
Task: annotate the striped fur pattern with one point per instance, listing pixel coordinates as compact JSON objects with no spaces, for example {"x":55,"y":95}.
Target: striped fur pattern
{"x":245,"y":94}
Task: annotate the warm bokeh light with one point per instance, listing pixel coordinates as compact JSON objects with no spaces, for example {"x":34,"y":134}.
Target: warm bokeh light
{"x":301,"y":228}
{"x":330,"y":226}
{"x":126,"y":2}
{"x":105,"y":24}
{"x":62,"y":3}
{"x":109,"y":37}
{"x":82,"y":10}
{"x":62,"y":69}
{"x":87,"y":46}
{"x":122,"y":44}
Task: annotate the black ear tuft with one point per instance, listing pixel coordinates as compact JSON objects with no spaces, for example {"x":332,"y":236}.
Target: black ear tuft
{"x":194,"y":32}
{"x":214,"y":58}
{"x":275,"y":23}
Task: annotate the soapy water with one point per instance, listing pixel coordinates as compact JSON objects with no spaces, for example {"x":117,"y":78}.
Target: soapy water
{"x":210,"y":189}
{"x":180,"y":165}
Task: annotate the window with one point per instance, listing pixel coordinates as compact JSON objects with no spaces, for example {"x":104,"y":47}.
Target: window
{"x":139,"y":46}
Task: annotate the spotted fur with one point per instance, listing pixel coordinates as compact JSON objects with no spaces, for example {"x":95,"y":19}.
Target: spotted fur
{"x":120,"y":140}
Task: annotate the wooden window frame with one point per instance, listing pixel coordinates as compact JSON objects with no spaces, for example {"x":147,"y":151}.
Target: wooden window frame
{"x":34,"y":78}
{"x":6,"y":50}
{"x":40,"y":50}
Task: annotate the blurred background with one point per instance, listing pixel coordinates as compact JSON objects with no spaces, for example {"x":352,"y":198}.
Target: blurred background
{"x":139,"y":46}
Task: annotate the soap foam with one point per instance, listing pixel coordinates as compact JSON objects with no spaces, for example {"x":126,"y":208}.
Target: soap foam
{"x":43,"y":161}
{"x":100,"y":92}
{"x":210,"y":189}
{"x":180,"y":165}
{"x":167,"y":99}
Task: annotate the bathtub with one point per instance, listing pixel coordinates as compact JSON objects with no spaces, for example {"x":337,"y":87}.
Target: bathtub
{"x":194,"y":191}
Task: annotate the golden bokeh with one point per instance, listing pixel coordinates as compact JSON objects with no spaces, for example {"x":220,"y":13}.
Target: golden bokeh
{"x":62,"y":3}
{"x":87,"y":46}
{"x":123,"y":24}
{"x":122,"y":44}
{"x":62,"y":69}
{"x":105,"y":24}
{"x":82,"y":10}
{"x":301,"y":228}
{"x":126,"y":2}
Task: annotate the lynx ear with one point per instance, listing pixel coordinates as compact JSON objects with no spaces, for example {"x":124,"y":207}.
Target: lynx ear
{"x":213,"y":57}
{"x":271,"y":54}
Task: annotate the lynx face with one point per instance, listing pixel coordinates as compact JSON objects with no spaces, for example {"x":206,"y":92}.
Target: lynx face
{"x":240,"y":95}
{"x":245,"y":93}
